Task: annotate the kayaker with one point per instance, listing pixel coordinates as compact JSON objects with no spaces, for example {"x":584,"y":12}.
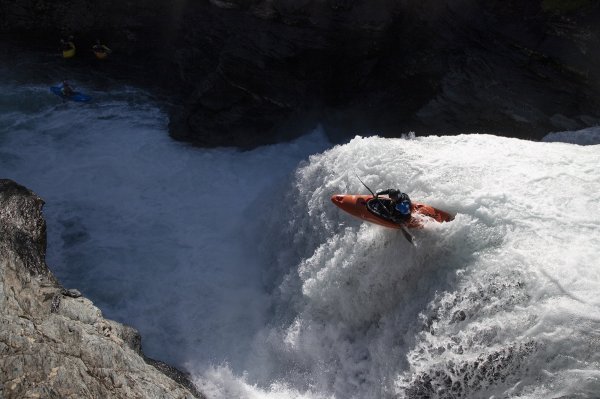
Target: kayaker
{"x":100,"y":49}
{"x":400,"y":204}
{"x":67,"y":44}
{"x":66,"y":89}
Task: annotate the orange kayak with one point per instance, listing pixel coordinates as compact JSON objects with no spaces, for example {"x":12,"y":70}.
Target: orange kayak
{"x":366,"y":207}
{"x":101,"y":51}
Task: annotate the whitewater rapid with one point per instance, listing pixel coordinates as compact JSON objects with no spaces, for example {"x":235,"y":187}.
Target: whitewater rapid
{"x":500,"y":302}
{"x":236,"y":266}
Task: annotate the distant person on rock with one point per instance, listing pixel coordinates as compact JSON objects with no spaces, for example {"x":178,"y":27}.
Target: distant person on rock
{"x":68,"y":47}
{"x":100,"y":50}
{"x":400,"y":204}
{"x":67,"y":44}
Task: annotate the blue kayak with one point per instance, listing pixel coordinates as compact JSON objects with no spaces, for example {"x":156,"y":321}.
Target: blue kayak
{"x":76,"y":96}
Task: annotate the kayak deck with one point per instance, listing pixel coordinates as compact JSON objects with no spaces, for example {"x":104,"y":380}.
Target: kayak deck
{"x":358,"y":206}
{"x":76,"y":96}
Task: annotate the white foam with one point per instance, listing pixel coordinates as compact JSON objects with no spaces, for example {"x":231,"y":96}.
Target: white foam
{"x":252,"y":280}
{"x":375,"y":317}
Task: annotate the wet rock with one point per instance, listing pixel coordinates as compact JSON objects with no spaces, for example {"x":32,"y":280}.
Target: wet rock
{"x":458,"y":316}
{"x":73,"y":293}
{"x":54,"y":343}
{"x":466,"y":378}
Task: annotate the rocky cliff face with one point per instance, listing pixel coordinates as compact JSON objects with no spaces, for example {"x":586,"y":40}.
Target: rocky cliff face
{"x":253,"y":72}
{"x":54,"y":343}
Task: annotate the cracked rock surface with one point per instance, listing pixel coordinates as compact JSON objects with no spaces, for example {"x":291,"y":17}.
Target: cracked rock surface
{"x":54,"y":343}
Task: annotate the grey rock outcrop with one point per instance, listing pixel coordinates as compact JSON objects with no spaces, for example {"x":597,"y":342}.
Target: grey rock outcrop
{"x":54,"y":343}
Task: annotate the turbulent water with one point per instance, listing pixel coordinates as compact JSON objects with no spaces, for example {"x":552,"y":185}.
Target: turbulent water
{"x":236,"y":266}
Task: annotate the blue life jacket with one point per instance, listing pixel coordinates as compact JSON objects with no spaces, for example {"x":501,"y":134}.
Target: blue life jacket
{"x":403,"y":207}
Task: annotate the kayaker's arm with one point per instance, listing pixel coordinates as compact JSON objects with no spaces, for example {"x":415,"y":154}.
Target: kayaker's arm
{"x":392,"y":192}
{"x":383,"y":192}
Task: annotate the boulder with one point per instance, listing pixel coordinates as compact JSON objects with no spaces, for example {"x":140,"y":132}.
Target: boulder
{"x":54,"y":343}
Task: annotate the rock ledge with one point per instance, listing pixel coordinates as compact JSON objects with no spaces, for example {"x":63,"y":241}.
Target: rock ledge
{"x":54,"y":343}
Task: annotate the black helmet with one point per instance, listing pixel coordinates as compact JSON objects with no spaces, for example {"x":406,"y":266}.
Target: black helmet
{"x":394,"y":194}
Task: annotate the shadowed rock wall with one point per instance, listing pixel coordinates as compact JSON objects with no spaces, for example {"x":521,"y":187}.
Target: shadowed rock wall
{"x":253,"y":72}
